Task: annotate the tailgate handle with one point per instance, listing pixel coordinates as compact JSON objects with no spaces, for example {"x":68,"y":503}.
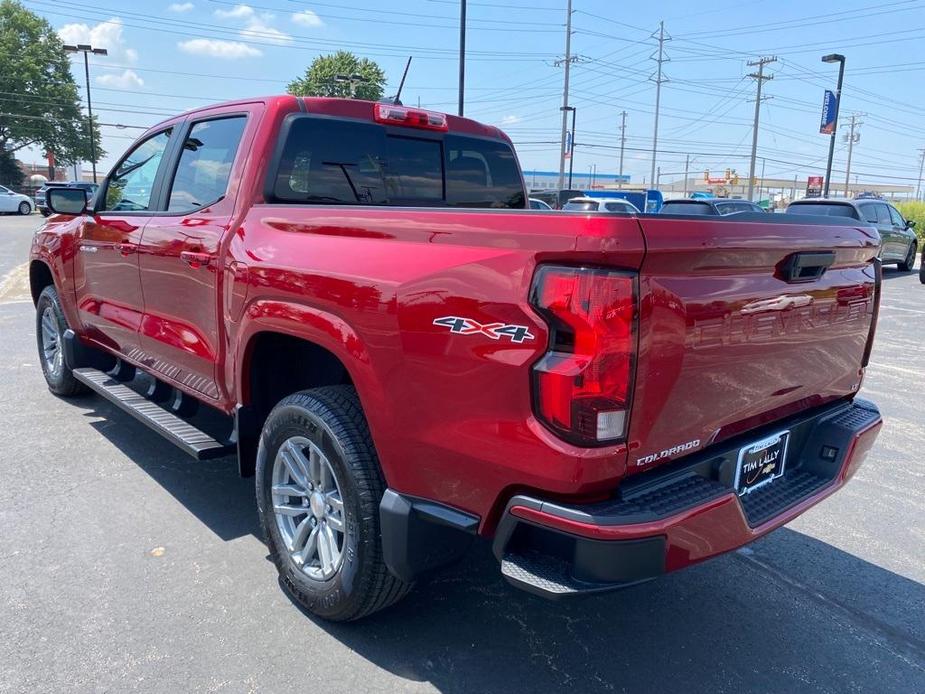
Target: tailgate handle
{"x":806,"y":267}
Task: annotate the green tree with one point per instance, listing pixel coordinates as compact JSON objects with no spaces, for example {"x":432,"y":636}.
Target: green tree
{"x":341,"y":74}
{"x":39,"y":102}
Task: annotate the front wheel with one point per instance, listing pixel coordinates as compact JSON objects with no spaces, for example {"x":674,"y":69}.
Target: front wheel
{"x":50,"y":325}
{"x":909,"y":262}
{"x":25,"y":208}
{"x":319,"y":486}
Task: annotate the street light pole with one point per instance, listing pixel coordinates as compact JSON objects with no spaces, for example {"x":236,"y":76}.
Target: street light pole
{"x":86,"y":49}
{"x":840,"y":59}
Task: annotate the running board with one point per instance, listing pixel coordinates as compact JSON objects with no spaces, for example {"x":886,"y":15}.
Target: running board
{"x":183,"y":435}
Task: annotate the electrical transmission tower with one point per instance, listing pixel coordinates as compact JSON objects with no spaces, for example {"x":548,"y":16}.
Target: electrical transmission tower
{"x":760,"y":78}
{"x":567,"y":62}
{"x":658,"y":78}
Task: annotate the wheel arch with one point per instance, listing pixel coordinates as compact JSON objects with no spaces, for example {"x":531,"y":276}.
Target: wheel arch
{"x":40,"y":276}
{"x":283,"y":348}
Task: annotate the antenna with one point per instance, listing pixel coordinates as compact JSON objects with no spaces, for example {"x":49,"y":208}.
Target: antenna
{"x":397,"y":98}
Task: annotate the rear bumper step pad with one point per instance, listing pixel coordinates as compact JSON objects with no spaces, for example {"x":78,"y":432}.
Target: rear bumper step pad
{"x":678,"y":516}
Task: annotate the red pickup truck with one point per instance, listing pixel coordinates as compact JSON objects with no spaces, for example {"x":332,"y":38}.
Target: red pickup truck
{"x":408,"y":358}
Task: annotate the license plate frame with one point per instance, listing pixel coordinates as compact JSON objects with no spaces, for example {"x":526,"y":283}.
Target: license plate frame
{"x":753,"y":470}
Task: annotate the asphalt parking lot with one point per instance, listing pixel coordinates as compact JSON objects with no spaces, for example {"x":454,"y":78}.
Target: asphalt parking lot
{"x":125,"y":567}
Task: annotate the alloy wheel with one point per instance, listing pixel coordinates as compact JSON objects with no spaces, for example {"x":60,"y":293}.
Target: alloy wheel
{"x":51,"y":342}
{"x":309,"y":508}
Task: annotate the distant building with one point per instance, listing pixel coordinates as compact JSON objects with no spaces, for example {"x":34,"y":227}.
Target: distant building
{"x":547,"y":180}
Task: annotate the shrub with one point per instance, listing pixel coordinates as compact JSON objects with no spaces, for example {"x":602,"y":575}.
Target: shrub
{"x":914,"y":210}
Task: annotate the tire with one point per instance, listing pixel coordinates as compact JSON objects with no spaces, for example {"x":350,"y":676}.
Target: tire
{"x":50,"y":325}
{"x":909,"y":263}
{"x":45,"y":211}
{"x":327,"y":427}
{"x":922,"y":268}
{"x":25,"y":208}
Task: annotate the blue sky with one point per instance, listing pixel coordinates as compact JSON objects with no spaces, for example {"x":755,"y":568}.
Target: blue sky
{"x":168,"y":57}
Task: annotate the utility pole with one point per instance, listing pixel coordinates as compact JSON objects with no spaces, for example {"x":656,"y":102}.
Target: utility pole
{"x":622,"y":145}
{"x":567,"y":63}
{"x":687,"y":166}
{"x":462,"y":54}
{"x":851,"y":140}
{"x":86,"y":49}
{"x":918,"y":188}
{"x":659,"y":79}
{"x":760,"y":77}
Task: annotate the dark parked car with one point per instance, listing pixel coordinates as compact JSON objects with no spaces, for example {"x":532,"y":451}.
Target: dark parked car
{"x":898,"y":240}
{"x":88,"y":188}
{"x":708,"y":206}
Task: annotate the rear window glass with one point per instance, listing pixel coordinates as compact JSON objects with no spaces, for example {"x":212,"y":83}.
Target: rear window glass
{"x":352,"y":163}
{"x":687,"y":208}
{"x":574,"y":206}
{"x":621,"y":207}
{"x":835,"y":210}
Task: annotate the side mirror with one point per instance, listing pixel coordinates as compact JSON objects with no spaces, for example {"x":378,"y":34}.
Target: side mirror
{"x":66,"y":200}
{"x":910,"y":224}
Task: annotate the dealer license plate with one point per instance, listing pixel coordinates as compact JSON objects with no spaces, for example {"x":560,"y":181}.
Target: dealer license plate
{"x":761,"y":463}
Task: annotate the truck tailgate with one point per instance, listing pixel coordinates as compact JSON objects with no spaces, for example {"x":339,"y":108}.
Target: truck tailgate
{"x":736,"y":330}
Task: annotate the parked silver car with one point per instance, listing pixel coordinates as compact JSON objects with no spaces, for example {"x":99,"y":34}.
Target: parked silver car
{"x":14,"y":202}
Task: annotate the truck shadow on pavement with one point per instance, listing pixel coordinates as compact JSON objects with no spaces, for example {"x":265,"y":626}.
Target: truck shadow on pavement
{"x":787,"y":614}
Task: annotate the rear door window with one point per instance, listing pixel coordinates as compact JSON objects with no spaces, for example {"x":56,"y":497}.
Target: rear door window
{"x":329,"y":161}
{"x":205,"y":163}
{"x":897,"y":218}
{"x":883,"y":214}
{"x":822,"y":209}
{"x":581,"y":206}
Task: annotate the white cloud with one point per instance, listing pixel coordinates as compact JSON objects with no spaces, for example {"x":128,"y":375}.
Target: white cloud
{"x":307,"y":18}
{"x":216,"y":48}
{"x":106,"y":35}
{"x":260,"y":30}
{"x":236,"y":12}
{"x":511,"y":120}
{"x":180,"y":7}
{"x":127,"y":79}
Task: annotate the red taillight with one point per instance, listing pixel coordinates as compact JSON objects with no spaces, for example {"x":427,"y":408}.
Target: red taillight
{"x":582,"y":386}
{"x":410,"y":117}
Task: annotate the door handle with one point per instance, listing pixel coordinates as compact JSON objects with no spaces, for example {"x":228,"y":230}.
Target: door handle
{"x":126,"y":248}
{"x":196,"y":260}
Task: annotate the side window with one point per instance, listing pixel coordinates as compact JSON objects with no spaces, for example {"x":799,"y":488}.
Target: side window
{"x":724,"y":208}
{"x":869,"y":213}
{"x":896,"y":218}
{"x":4,"y":190}
{"x":205,"y":163}
{"x":883,"y":214}
{"x":130,"y":187}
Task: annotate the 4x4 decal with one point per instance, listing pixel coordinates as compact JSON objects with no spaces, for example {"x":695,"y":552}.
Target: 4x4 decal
{"x":467,"y":326}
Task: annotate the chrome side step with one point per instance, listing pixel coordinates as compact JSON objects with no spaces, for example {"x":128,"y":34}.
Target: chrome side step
{"x":183,"y":435}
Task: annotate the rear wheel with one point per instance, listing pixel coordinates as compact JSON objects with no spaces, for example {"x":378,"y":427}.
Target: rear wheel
{"x":25,"y":208}
{"x":909,"y":262}
{"x":319,"y":486}
{"x":50,"y":325}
